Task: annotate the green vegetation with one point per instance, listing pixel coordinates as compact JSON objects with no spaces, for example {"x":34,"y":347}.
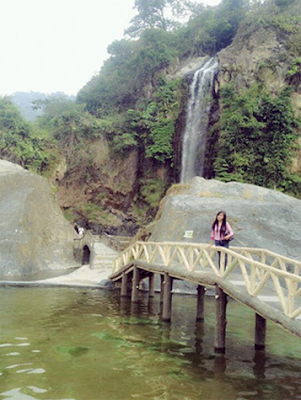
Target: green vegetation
{"x":151,"y":125}
{"x":94,"y":213}
{"x":135,"y":64}
{"x":159,"y":14}
{"x":133,"y":108}
{"x":257,"y":139}
{"x":21,"y":142}
{"x":152,"y":192}
{"x":282,"y":15}
{"x":296,"y":68}
{"x":67,"y":121}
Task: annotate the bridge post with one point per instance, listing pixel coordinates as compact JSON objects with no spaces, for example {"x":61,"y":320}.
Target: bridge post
{"x":200,"y":303}
{"x":167,"y":296}
{"x":260,"y":330}
{"x":220,"y":321}
{"x":135,"y":285}
{"x":124,"y":285}
{"x":161,"y":288}
{"x":152,"y":285}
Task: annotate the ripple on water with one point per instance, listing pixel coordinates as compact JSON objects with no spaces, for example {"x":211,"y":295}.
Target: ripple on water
{"x":31,"y":371}
{"x":17,"y":365}
{"x":18,"y":394}
{"x":37,"y":390}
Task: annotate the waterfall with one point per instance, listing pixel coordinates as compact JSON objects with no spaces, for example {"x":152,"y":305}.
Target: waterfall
{"x":199,"y":105}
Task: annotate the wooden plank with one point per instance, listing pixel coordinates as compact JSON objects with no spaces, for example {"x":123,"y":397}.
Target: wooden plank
{"x":230,"y":268}
{"x":261,"y":284}
{"x":211,"y":263}
{"x":280,"y":292}
{"x":184,"y":259}
{"x":147,"y":257}
{"x":245,"y":274}
{"x":222,"y":263}
{"x":296,"y":313}
{"x":253,"y":278}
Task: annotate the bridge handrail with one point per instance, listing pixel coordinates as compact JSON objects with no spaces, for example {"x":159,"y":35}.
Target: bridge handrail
{"x":235,"y":249}
{"x":87,"y":238}
{"x":255,"y":274}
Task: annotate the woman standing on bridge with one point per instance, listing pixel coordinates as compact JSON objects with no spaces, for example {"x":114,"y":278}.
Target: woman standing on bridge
{"x":221,"y":233}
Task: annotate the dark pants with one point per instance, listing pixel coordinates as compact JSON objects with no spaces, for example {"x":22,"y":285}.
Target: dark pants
{"x":222,"y":243}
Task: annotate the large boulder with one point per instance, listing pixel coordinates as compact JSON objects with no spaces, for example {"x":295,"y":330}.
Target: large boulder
{"x":260,"y":218}
{"x":34,"y":234}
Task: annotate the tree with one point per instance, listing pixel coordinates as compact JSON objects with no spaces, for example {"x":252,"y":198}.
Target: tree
{"x":160,"y":14}
{"x":67,"y":121}
{"x":20,"y":142}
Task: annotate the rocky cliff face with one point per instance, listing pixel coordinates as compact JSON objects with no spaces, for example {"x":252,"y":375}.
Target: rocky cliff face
{"x":253,"y":58}
{"x":34,"y":235}
{"x":97,"y":189}
{"x":264,"y":55}
{"x":260,"y":217}
{"x":101,"y":191}
{"x":110,"y":179}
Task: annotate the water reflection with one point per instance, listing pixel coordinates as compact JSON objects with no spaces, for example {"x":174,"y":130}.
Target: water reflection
{"x":260,"y":360}
{"x":113,"y":349}
{"x":199,"y":335}
{"x":219,"y":366}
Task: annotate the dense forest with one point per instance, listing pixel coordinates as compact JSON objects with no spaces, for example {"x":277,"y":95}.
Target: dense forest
{"x":134,"y":107}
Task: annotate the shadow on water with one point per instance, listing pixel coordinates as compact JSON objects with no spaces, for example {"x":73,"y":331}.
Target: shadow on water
{"x":93,"y":345}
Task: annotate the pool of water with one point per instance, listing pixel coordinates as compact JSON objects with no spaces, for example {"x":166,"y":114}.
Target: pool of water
{"x":39,"y":275}
{"x":84,"y":344}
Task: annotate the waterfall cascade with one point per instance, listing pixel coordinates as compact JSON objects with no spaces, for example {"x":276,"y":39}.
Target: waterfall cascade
{"x":197,"y":118}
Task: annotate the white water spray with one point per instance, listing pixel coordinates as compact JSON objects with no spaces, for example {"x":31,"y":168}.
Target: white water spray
{"x":194,"y":139}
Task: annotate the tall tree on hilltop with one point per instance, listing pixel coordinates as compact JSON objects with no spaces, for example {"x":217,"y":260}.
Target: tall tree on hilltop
{"x":160,"y":14}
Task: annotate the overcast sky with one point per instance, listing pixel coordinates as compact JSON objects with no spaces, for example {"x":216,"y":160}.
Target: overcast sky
{"x":58,"y":45}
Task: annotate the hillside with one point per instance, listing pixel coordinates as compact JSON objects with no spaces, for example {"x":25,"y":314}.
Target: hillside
{"x":25,"y":102}
{"x":120,"y":144}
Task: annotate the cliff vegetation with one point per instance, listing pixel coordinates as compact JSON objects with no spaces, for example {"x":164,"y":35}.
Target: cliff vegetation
{"x":114,"y":152}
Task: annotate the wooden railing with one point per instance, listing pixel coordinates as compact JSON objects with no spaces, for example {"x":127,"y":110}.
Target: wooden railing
{"x":258,"y":268}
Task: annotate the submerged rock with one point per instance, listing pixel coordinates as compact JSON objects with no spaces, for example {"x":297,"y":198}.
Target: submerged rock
{"x":260,"y":217}
{"x":34,"y":234}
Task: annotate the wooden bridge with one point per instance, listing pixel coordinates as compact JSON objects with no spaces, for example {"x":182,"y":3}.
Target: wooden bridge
{"x":268,"y":283}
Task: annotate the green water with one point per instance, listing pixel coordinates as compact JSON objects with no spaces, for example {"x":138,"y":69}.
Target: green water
{"x":87,"y":344}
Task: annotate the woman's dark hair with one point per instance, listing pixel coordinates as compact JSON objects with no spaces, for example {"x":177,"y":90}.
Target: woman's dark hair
{"x":223,"y":227}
